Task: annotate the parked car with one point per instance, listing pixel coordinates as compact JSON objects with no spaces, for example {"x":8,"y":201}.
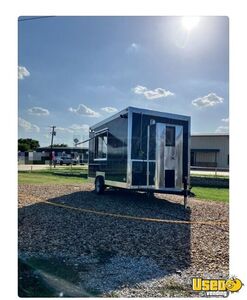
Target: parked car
{"x":66,"y":160}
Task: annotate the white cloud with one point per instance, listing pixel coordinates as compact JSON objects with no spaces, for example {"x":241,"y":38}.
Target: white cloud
{"x":77,"y":127}
{"x":68,"y":134}
{"x":63,"y":129}
{"x":83,"y":110}
{"x":109,"y":109}
{"x":152,"y":94}
{"x":226,"y":120}
{"x":139,"y":89}
{"x":22,"y":72}
{"x":73,"y":128}
{"x":210,"y":100}
{"x":133,"y":48}
{"x":157,"y":93}
{"x":39,"y":111}
{"x":222,"y":129}
{"x":27,"y":126}
{"x":36,"y":128}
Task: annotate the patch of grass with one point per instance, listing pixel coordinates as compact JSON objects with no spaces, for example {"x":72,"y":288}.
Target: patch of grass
{"x":47,"y":177}
{"x":61,"y":170}
{"x":208,"y":193}
{"x":209,"y":176}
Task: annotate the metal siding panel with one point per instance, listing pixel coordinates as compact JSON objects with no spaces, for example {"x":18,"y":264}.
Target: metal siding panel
{"x":213,"y":142}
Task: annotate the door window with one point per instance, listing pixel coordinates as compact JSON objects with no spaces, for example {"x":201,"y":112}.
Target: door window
{"x":170,"y":136}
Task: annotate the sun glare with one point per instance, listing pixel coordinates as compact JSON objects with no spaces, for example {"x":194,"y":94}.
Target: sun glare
{"x":190,"y":22}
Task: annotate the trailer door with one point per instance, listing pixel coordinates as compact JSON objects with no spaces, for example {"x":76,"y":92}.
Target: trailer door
{"x":169,"y":156}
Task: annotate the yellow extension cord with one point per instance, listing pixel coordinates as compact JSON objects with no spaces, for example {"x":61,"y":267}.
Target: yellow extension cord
{"x":135,"y":218}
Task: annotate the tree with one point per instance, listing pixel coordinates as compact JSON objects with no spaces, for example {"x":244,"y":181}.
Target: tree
{"x":23,"y":147}
{"x":27,"y":144}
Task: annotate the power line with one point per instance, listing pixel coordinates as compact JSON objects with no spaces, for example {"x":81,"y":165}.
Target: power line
{"x":35,"y":18}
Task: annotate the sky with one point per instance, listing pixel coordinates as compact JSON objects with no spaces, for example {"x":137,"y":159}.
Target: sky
{"x":76,"y":71}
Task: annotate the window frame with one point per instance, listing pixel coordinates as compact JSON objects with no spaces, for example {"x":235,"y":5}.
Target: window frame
{"x":96,"y":144}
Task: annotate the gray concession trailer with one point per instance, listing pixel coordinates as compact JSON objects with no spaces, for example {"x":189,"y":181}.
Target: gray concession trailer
{"x":141,"y":150}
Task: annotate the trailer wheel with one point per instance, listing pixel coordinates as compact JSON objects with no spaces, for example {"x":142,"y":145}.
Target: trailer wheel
{"x":99,"y":185}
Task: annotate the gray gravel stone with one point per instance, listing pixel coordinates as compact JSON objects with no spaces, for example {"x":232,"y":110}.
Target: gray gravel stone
{"x":120,"y":257}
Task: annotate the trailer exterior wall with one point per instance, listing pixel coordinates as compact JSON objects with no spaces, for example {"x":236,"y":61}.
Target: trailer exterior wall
{"x":126,"y":162}
{"x":140,"y":122}
{"x":115,"y":166}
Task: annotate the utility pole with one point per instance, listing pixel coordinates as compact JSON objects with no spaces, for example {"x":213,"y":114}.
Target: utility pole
{"x":53,"y":132}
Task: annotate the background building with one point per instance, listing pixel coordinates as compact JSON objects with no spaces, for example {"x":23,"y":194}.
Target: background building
{"x":73,"y":152}
{"x":42,"y":154}
{"x":207,"y":150}
{"x":210,"y":150}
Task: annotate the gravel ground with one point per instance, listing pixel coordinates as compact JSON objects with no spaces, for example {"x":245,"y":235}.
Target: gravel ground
{"x":114,"y":256}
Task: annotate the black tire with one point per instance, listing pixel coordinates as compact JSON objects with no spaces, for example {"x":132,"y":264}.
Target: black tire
{"x":99,"y":185}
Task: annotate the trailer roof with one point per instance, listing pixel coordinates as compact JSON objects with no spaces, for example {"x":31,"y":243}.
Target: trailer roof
{"x":144,"y":111}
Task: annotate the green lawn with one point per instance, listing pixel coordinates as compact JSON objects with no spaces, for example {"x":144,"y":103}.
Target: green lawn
{"x":209,"y":176}
{"x":208,"y":193}
{"x":46,"y":177}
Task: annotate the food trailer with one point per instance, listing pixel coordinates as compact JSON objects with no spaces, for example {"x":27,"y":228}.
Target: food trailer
{"x":141,"y":150}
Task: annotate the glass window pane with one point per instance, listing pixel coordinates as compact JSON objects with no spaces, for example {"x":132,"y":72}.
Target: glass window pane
{"x":170,"y":136}
{"x":101,"y":146}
